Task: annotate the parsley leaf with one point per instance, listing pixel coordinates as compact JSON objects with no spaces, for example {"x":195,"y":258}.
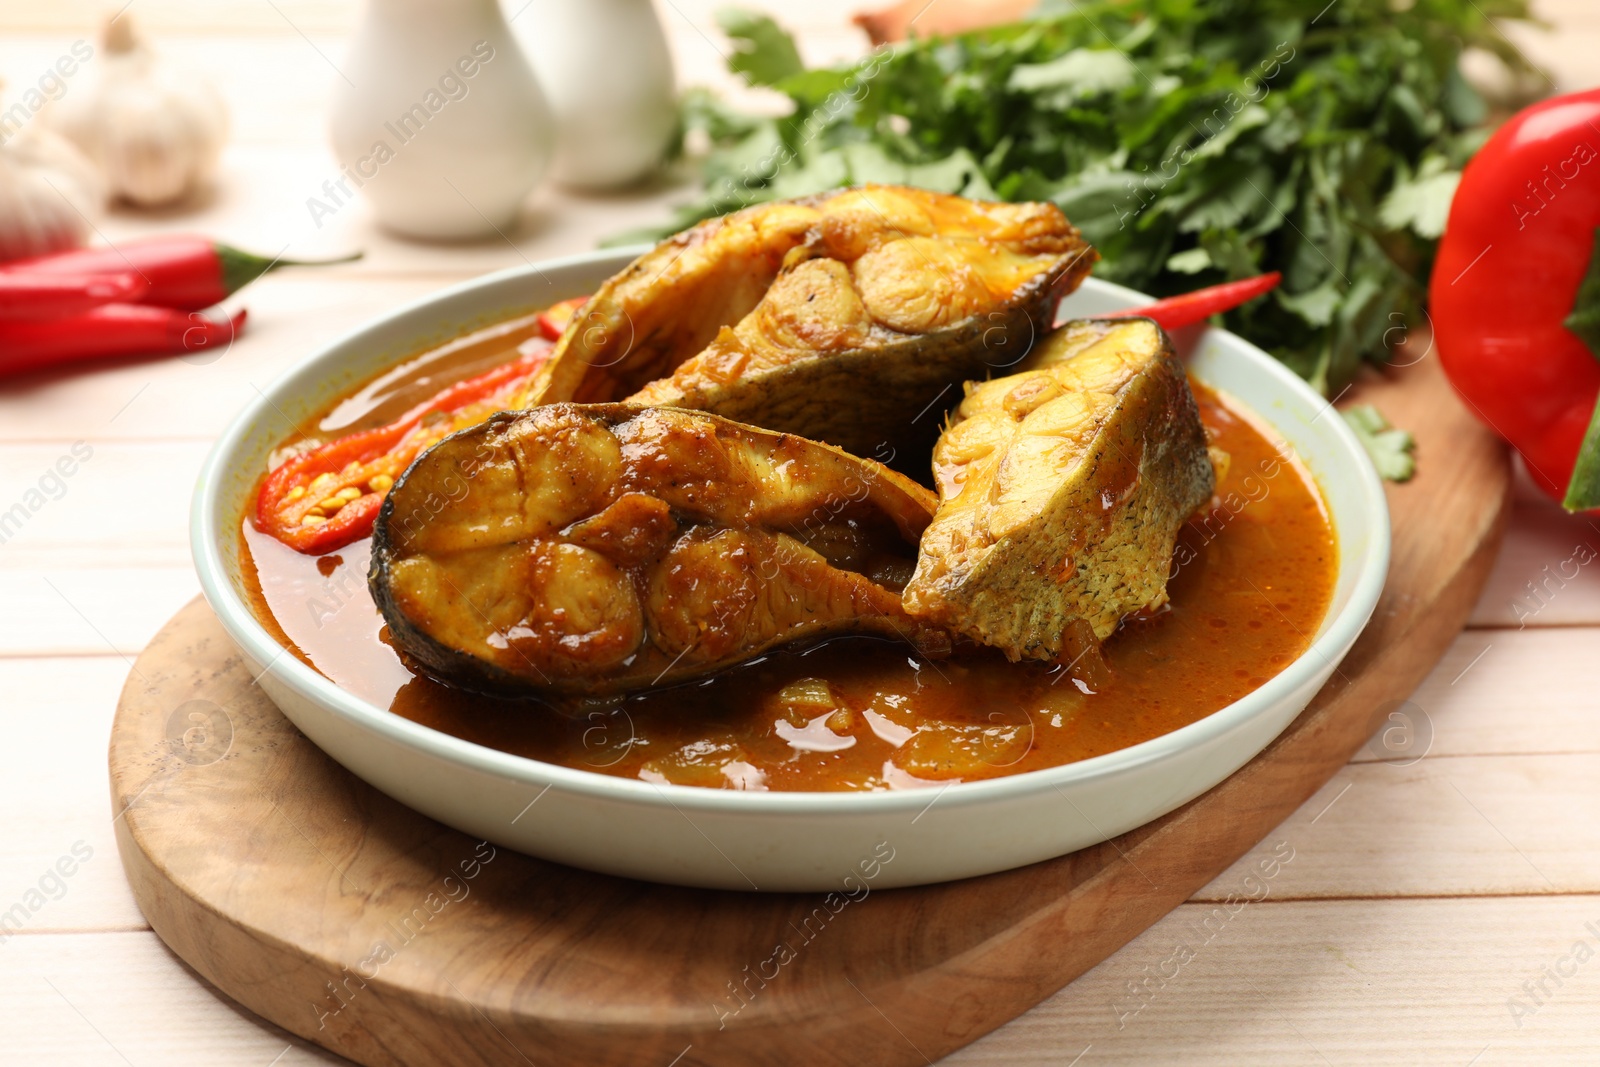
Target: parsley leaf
{"x":1390,"y":449}
{"x":1192,"y":142}
{"x":763,"y":52}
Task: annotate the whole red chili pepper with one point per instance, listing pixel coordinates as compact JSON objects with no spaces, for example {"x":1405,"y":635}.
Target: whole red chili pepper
{"x":328,"y":496}
{"x":182,"y":271}
{"x":1186,"y":309}
{"x":109,"y":331}
{"x":1515,"y":294}
{"x":55,"y":296}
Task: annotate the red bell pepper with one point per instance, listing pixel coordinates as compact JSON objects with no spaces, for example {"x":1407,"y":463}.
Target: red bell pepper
{"x":182,"y":271}
{"x":56,"y":296}
{"x":1186,"y":309}
{"x":328,"y":496}
{"x":1515,"y":293}
{"x":110,"y":331}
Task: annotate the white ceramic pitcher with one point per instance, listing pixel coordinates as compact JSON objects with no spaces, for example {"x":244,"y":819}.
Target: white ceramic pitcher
{"x":608,"y":74}
{"x":438,"y":119}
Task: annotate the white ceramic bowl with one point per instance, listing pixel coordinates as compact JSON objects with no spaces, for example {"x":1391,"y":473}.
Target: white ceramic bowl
{"x":773,"y":841}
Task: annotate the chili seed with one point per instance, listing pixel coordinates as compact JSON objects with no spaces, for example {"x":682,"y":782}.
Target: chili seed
{"x":381,"y":483}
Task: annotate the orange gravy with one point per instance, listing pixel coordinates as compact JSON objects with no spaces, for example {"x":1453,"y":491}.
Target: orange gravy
{"x":1253,"y":577}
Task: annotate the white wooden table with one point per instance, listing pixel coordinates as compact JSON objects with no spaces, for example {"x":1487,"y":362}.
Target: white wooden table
{"x":1431,"y":913}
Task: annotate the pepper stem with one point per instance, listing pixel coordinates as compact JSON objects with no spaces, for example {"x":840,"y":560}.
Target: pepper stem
{"x":1583,"y":489}
{"x":240,"y":268}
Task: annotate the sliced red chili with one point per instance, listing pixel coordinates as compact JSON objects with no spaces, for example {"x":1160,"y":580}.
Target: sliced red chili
{"x":329,"y":495}
{"x":554,"y":320}
{"x":1189,"y":308}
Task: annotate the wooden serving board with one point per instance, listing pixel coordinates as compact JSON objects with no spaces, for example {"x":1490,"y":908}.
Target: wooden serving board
{"x":358,"y":924}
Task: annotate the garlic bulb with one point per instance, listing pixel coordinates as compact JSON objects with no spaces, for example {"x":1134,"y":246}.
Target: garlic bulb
{"x":48,"y":192}
{"x":153,"y":128}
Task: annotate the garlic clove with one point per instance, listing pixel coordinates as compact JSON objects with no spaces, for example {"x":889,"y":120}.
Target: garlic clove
{"x":150,"y":147}
{"x":48,"y":195}
{"x":155,"y":129}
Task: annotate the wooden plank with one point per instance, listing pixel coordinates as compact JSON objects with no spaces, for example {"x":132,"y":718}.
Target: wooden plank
{"x":88,"y":610}
{"x":55,"y":718}
{"x":1476,"y":701}
{"x":1445,"y":826}
{"x":196,"y":17}
{"x":1420,"y":982}
{"x":1565,"y":46}
{"x":107,"y":502}
{"x":276,"y":87}
{"x":64,"y":1006}
{"x":263,"y":203}
{"x":1548,"y":573}
{"x":1417,"y":982}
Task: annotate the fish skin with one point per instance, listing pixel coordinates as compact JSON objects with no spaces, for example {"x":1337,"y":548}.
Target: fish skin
{"x":1062,"y":490}
{"x":593,"y":549}
{"x":844,"y":317}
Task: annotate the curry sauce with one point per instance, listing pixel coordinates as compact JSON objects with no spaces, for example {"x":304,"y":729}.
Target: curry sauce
{"x":1252,"y":579}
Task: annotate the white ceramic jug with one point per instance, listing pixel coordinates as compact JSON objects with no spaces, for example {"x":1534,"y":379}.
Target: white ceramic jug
{"x":438,"y":119}
{"x":608,"y":75}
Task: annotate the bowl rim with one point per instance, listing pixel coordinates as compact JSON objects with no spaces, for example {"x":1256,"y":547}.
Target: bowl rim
{"x":252,"y":637}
